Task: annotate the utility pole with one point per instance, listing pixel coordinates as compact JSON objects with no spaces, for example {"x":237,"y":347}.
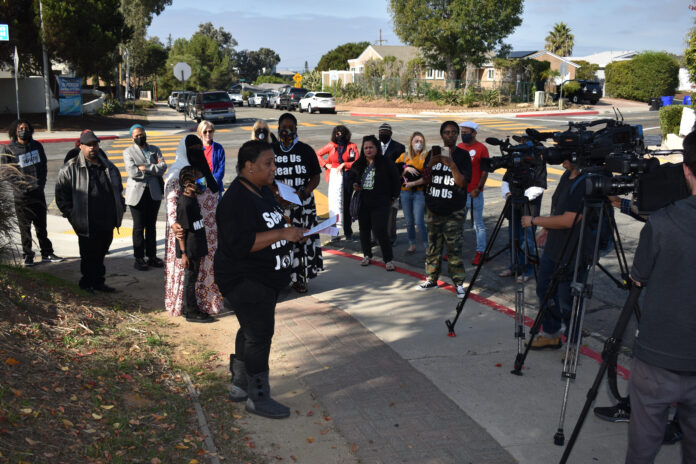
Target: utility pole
{"x":49,"y":116}
{"x":380,"y":38}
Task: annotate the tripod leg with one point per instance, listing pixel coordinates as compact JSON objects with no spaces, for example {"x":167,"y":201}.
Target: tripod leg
{"x":489,"y":246}
{"x":517,"y":231}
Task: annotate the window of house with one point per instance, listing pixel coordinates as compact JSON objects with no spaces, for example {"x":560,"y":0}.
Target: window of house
{"x":352,"y":69}
{"x":490,"y":75}
{"x":361,"y":69}
{"x":439,"y":74}
{"x":429,"y":73}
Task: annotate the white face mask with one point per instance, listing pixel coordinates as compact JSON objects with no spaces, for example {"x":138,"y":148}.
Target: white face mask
{"x":418,"y":147}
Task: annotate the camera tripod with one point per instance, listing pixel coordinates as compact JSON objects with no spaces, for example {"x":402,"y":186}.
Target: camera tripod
{"x":581,"y":288}
{"x":513,"y":203}
{"x":610,"y":354}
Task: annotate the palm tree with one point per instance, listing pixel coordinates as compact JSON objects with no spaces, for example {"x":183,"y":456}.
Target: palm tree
{"x":560,"y":41}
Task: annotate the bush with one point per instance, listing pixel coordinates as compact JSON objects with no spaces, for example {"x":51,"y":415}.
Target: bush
{"x":571,"y":87}
{"x":246,"y":94}
{"x":144,"y":104}
{"x":648,"y":75}
{"x":111,"y":106}
{"x":270,"y":80}
{"x":670,"y":119}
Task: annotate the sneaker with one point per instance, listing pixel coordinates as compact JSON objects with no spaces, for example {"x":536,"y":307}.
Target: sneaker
{"x":104,"y":288}
{"x":506,"y":273}
{"x":28,"y":260}
{"x":51,"y":258}
{"x":365,"y":261}
{"x":389,"y":266}
{"x":155,"y":262}
{"x":523,"y":278}
{"x":541,"y":342}
{"x":618,"y":413}
{"x":461,"y":291}
{"x":426,"y":284}
{"x":478,"y":257}
{"x":673,"y":433}
{"x":140,"y":264}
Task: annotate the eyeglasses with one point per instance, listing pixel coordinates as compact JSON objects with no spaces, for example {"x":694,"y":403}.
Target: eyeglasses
{"x":209,"y":131}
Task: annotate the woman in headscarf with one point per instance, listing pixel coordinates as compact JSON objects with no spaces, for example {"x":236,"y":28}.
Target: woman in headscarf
{"x":190,"y":153}
{"x":214,"y":153}
{"x":342,"y":153}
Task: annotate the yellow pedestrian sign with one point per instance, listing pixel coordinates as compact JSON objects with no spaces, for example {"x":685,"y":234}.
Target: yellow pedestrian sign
{"x":298,"y":80}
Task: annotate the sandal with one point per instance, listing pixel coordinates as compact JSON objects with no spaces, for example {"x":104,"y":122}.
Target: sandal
{"x":365,"y":261}
{"x":389,"y":266}
{"x":506,"y":273}
{"x":411,"y":250}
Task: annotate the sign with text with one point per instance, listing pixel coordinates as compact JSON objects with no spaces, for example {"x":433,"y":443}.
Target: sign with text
{"x":70,"y":96}
{"x":4,"y":32}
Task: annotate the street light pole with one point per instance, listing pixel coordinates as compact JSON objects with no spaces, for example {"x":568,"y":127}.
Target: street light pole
{"x":47,"y":95}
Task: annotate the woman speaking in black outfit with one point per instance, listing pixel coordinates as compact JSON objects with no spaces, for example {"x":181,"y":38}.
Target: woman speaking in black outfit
{"x":252,"y":263}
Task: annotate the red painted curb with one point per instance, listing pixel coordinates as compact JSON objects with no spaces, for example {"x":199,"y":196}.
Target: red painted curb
{"x":575,"y":113}
{"x":72,"y":139}
{"x":374,"y":114}
{"x":621,"y":371}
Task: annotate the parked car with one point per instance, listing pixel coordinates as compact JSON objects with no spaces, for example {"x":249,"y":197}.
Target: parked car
{"x":258,"y":99}
{"x":586,"y":90}
{"x":214,"y":106}
{"x":236,"y":97}
{"x":289,"y":98}
{"x":319,"y":101}
{"x":273,"y":99}
{"x":191,"y":106}
{"x":171,"y":101}
{"x":181,"y":101}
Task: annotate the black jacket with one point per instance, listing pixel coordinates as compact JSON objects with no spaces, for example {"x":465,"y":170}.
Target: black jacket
{"x":72,"y":192}
{"x":32,"y":176}
{"x":394,"y":150}
{"x":387,"y":180}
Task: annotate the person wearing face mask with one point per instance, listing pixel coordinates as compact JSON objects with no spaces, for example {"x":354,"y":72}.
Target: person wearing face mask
{"x":145,"y":167}
{"x":297,"y":166}
{"x":477,"y":151}
{"x":190,"y":153}
{"x":260,"y":131}
{"x":27,"y":156}
{"x":411,"y":164}
{"x":340,"y":155}
{"x":214,"y":153}
{"x":88,"y":194}
{"x":392,"y":150}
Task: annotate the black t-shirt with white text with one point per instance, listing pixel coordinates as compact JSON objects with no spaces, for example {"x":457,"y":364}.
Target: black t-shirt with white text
{"x":240,"y":215}
{"x":296,"y":166}
{"x":188,"y":216}
{"x":443,"y":196}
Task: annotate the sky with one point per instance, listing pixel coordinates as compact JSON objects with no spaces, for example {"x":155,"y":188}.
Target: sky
{"x":304,"y":30}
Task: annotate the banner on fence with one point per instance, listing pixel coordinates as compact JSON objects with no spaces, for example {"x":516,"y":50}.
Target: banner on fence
{"x":70,"y":96}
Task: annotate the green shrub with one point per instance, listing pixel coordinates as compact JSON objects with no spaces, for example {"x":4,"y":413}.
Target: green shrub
{"x":490,"y":97}
{"x":246,"y":94}
{"x":468,"y":97}
{"x":111,"y":106}
{"x":571,"y":87}
{"x":144,"y":104}
{"x":670,"y":119}
{"x":648,"y":75}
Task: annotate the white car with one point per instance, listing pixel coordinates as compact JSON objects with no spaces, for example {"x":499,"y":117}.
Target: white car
{"x":318,"y":101}
{"x":273,"y":99}
{"x":258,"y":99}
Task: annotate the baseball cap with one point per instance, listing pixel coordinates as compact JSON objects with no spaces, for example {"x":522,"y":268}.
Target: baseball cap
{"x":470,"y":124}
{"x":88,"y":137}
{"x":385,"y":127}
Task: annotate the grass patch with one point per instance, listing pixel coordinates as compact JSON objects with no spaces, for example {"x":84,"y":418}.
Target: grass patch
{"x":86,"y":379}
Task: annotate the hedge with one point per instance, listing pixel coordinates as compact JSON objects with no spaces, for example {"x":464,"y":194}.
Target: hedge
{"x":648,"y":75}
{"x":670,"y":118}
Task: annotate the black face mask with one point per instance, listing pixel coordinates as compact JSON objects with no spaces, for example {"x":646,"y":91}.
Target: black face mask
{"x":24,"y":135}
{"x":140,"y":140}
{"x":341,"y":139}
{"x":384,"y":138}
{"x":261,"y":134}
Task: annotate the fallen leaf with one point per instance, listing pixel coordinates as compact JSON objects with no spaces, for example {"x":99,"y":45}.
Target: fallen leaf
{"x":324,"y":431}
{"x":25,"y":410}
{"x":310,"y":413}
{"x":31,"y":442}
{"x":11,"y":362}
{"x":327,"y":418}
{"x":90,"y":430}
{"x":107,"y":406}
{"x":310,"y":440}
{"x":193,"y":461}
{"x":354,"y":448}
{"x":155,"y":461}
{"x":498,"y":365}
{"x":67,"y":423}
{"x":236,"y":416}
{"x":96,"y":416}
{"x":200,"y":373}
{"x":64,"y":368}
{"x":181,"y":446}
{"x":16,"y":392}
{"x":293,"y":458}
{"x":116,"y":425}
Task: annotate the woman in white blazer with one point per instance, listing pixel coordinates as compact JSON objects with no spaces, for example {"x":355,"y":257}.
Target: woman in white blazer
{"x":145,"y":167}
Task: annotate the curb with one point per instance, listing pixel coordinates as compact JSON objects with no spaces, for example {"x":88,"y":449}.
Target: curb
{"x":66,"y":139}
{"x":373,"y":115}
{"x":570,"y":113}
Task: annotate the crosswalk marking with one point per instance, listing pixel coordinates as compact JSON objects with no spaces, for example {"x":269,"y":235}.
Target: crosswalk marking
{"x":307,"y":124}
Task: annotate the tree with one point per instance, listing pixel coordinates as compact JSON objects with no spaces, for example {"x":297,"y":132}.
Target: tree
{"x":220,"y":35}
{"x":337,"y":59}
{"x":690,"y":54}
{"x":454,"y":33}
{"x":252,"y":63}
{"x":586,"y":70}
{"x":560,"y":41}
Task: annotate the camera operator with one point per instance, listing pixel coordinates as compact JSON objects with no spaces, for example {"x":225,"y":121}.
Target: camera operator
{"x":558,"y":230}
{"x":663,"y":371}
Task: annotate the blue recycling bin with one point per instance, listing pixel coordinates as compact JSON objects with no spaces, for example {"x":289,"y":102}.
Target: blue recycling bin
{"x":666,"y":101}
{"x":687,"y":100}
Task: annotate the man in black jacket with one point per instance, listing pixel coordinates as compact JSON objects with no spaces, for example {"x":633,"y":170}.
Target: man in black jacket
{"x":391,"y":149}
{"x":89,"y":194}
{"x":27,"y":158}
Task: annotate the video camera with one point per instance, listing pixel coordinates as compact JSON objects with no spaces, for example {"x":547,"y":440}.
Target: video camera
{"x":520,"y":161}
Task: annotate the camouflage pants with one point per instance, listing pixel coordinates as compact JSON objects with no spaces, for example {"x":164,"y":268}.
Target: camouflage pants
{"x":445,"y":230}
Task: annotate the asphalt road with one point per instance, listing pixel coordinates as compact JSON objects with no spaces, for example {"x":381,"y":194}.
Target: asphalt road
{"x":315,"y":130}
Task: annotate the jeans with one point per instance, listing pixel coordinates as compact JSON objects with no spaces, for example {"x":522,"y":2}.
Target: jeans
{"x":254,"y":306}
{"x":413,"y":204}
{"x":30,"y":208}
{"x":479,"y":226}
{"x":560,"y":305}
{"x":93,"y":249}
{"x":144,"y":221}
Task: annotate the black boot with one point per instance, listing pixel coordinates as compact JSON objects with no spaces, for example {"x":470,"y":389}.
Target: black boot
{"x":260,"y":401}
{"x":239,"y":380}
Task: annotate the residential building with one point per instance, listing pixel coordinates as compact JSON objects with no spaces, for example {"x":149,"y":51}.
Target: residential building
{"x":490,"y":77}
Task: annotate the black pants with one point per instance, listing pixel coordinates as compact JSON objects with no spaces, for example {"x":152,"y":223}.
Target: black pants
{"x":93,"y":249}
{"x":30,"y":208}
{"x":347,"y":194}
{"x":374,"y":217}
{"x":190,"y":279}
{"x":144,"y":222}
{"x":254,"y":305}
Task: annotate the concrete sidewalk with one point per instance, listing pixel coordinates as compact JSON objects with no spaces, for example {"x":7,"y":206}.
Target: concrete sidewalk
{"x":375,"y":353}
